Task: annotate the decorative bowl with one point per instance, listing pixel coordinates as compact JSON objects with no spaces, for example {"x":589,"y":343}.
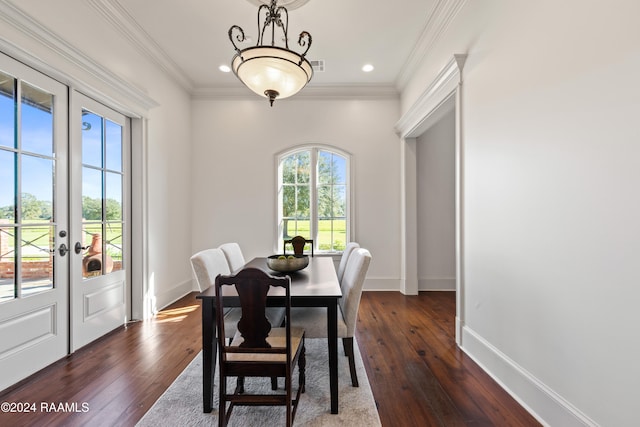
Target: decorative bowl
{"x":287,"y":263}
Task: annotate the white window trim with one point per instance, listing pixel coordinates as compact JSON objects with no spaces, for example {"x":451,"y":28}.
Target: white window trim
{"x":314,"y":148}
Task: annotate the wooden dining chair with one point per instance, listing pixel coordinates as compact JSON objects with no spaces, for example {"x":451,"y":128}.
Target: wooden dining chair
{"x":298,"y":243}
{"x":314,"y":319}
{"x":258,"y":349}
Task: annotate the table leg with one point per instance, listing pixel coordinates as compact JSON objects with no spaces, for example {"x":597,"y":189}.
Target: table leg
{"x":332,"y":332}
{"x":209,"y":352}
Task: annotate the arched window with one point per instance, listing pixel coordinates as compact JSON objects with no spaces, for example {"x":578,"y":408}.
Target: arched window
{"x":313,"y":197}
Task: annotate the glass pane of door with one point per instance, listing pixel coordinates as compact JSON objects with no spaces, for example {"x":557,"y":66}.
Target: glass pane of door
{"x":27,"y":167}
{"x":36,"y":163}
{"x":102,"y":195}
{"x":8,"y":157}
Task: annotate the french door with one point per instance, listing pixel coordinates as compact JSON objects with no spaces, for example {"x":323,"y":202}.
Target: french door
{"x":34,"y":233}
{"x":64,"y":220}
{"x":100,"y":140}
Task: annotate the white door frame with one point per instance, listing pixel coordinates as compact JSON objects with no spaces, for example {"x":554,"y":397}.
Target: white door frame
{"x":445,"y":88}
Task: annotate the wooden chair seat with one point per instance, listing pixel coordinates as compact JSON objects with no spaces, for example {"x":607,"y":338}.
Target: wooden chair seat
{"x":277,"y":339}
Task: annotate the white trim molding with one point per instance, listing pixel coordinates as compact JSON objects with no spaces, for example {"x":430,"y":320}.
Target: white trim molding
{"x":523,"y":386}
{"x":310,"y":92}
{"x":442,"y":15}
{"x":125,"y":24}
{"x":419,"y":117}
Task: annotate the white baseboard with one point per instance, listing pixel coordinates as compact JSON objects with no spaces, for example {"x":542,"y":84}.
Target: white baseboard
{"x":437,"y":284}
{"x":172,"y":295}
{"x":542,"y":402}
{"x":381,"y":284}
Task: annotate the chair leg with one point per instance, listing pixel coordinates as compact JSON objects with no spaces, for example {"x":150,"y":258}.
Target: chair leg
{"x":274,"y":383}
{"x":222,"y":406}
{"x":240,"y":385}
{"x":347,"y":343}
{"x":302,"y":364}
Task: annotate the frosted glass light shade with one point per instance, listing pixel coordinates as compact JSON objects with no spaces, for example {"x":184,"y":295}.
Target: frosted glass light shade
{"x":271,"y":68}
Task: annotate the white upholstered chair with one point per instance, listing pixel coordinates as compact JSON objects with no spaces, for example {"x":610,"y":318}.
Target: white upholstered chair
{"x":234,"y":256}
{"x":314,"y":319}
{"x":345,"y":256}
{"x":207,"y":264}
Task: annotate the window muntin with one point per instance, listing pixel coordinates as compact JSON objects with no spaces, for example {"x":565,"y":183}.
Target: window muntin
{"x":313,"y":197}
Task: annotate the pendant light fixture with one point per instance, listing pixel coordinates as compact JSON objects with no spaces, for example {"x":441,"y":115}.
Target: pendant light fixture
{"x":269,"y":70}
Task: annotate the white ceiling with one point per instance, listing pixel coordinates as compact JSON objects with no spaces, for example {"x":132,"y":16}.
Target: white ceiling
{"x":189,"y":38}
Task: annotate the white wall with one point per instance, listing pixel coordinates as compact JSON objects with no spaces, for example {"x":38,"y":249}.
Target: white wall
{"x":235,"y":143}
{"x":169,"y":195}
{"x":435,"y":184}
{"x":550,"y":107}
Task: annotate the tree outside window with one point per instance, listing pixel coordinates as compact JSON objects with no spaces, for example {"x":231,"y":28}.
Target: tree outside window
{"x":313,"y":197}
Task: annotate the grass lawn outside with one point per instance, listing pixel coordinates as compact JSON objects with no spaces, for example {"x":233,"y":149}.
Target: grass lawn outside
{"x":328,"y":231}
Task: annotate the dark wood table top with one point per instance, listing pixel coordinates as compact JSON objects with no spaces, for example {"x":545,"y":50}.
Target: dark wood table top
{"x":318,"y":279}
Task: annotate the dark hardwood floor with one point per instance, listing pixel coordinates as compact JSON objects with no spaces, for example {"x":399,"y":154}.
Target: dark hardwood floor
{"x":418,"y":375}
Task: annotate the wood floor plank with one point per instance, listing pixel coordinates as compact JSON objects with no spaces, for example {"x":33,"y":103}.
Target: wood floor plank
{"x":419,"y":377}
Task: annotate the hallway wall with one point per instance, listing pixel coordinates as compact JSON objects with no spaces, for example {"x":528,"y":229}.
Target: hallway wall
{"x":551,"y":166}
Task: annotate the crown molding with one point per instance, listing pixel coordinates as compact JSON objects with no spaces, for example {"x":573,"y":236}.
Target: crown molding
{"x":443,"y":14}
{"x":418,"y":117}
{"x":329,"y":92}
{"x":35,"y":31}
{"x":129,"y":28}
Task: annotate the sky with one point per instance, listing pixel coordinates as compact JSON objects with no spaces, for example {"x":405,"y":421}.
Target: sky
{"x":37,"y":164}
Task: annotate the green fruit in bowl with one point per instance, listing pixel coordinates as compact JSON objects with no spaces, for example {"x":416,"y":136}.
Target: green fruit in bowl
{"x":282,"y":257}
{"x":291,"y":257}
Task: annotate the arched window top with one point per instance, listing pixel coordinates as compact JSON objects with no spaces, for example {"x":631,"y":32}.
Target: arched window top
{"x":311,"y":146}
{"x":314,"y":196}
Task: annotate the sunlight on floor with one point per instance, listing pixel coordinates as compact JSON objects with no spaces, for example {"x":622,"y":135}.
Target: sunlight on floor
{"x":174,"y":315}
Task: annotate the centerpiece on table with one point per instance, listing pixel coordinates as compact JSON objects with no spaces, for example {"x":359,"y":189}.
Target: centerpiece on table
{"x":284,"y":263}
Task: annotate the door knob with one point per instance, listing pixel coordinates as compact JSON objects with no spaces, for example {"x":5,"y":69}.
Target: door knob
{"x":63,"y":249}
{"x":79,"y":248}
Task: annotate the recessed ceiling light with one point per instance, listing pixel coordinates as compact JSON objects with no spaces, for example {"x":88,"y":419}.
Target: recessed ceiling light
{"x":224,"y":68}
{"x":367,"y":68}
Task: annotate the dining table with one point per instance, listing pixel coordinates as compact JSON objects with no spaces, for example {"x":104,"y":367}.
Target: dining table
{"x":316,"y":285}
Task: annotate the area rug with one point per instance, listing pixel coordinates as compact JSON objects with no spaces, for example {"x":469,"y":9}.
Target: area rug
{"x":181,"y":404}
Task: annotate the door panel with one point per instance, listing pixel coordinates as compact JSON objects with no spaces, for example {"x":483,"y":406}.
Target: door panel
{"x":98,"y":195}
{"x":34,"y":328}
